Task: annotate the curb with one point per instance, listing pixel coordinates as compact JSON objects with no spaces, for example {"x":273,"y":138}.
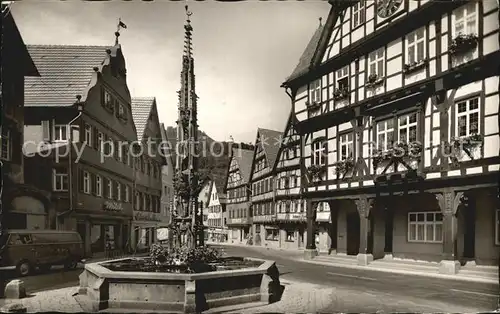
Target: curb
{"x":368,"y":268}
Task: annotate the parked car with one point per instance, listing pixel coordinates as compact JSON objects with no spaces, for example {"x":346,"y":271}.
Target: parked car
{"x":24,"y":250}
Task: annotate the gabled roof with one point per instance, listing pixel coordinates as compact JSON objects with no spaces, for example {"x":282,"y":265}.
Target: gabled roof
{"x":66,"y":71}
{"x":15,"y":55}
{"x":292,"y":119}
{"x":271,"y":141}
{"x":306,"y":60}
{"x":141,"y":110}
{"x":166,"y":144}
{"x":244,"y":159}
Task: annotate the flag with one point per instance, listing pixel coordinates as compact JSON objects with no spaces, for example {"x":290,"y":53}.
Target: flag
{"x":122,"y":25}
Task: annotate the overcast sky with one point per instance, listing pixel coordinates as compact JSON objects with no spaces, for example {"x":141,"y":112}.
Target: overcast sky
{"x":243,"y":52}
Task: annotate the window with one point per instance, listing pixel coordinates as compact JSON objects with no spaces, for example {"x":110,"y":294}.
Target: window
{"x":385,"y":132}
{"x":315,"y":91}
{"x":100,"y":141}
{"x":358,"y":13}
{"x":6,"y":148}
{"x":127,"y":194}
{"x":60,"y":180}
{"x":272,"y":234}
{"x":467,"y":117}
{"x":86,"y":182}
{"x":407,"y":130}
{"x":343,"y":78}
{"x":425,"y":227}
{"x":497,"y":227}
{"x":376,"y":62}
{"x":346,"y":146}
{"x":121,"y":111}
{"x":60,"y":133}
{"x":88,"y":135}
{"x":319,"y":151}
{"x":118,"y":191}
{"x":98,"y":185}
{"x":415,"y":43}
{"x":290,"y":236}
{"x":465,"y":19}
{"x":110,"y":189}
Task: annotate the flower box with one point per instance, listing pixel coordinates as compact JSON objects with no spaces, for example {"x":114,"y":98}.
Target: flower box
{"x":343,"y":166}
{"x":398,"y":152}
{"x":313,"y":105}
{"x":465,"y":145}
{"x":316,"y":172}
{"x":374,"y":80}
{"x":414,"y":66}
{"x":341,"y":93}
{"x":463,"y":43}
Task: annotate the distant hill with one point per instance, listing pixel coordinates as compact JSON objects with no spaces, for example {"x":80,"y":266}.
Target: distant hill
{"x":212,"y":165}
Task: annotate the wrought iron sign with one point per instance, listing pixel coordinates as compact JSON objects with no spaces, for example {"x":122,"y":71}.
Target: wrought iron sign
{"x":112,"y":206}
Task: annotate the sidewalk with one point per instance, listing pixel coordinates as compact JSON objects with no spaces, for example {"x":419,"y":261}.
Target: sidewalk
{"x":481,"y":274}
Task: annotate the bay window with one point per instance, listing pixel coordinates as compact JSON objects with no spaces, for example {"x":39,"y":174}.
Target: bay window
{"x":425,"y":227}
{"x":385,"y":133}
{"x":467,"y":117}
{"x":465,"y":19}
{"x":415,"y":43}
{"x":346,"y":146}
{"x":407,"y":130}
{"x":319,"y":153}
{"x":376,"y":63}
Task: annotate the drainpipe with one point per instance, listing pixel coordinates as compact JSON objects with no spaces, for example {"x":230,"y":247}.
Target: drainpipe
{"x":79,"y":106}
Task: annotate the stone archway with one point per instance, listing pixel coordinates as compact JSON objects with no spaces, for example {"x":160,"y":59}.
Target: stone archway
{"x":28,"y":208}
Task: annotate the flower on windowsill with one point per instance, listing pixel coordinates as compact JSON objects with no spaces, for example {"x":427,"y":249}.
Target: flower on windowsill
{"x":344,"y":166}
{"x":463,"y":43}
{"x":467,"y":145}
{"x":341,"y":93}
{"x":312,"y":105}
{"x":397,"y":152}
{"x":316,"y":171}
{"x":415,"y":65}
{"x":374,"y":80}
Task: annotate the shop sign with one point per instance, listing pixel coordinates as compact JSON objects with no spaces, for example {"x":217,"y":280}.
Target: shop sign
{"x":112,"y":206}
{"x":146,"y":216}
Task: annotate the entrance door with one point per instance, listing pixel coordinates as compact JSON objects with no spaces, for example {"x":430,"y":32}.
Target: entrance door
{"x":301,"y":238}
{"x":469,"y":223}
{"x":353,"y":233}
{"x":82,"y":230}
{"x":389,"y":227}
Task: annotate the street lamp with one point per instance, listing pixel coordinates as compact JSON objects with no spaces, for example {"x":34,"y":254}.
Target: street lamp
{"x":79,"y":107}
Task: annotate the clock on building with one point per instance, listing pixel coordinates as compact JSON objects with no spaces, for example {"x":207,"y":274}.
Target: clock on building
{"x":386,"y":8}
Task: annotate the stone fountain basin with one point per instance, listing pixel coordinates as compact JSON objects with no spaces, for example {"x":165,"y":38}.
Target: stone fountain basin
{"x":104,"y":289}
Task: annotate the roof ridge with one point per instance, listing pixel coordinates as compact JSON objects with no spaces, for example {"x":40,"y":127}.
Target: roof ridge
{"x":68,"y":46}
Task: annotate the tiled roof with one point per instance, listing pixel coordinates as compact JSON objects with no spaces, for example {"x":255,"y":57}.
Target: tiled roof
{"x":271,"y":142}
{"x":307,"y":56}
{"x":65,"y":71}
{"x":244,"y":159}
{"x":141,"y":109}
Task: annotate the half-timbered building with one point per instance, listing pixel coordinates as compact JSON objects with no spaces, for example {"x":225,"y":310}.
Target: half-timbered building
{"x":397,"y":109}
{"x":290,"y":207}
{"x":215,"y":213}
{"x":265,"y":230}
{"x":239,"y":218}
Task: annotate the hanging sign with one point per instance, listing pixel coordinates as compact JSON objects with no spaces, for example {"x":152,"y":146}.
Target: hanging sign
{"x":112,"y":206}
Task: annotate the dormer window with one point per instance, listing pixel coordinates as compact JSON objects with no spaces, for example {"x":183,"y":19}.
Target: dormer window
{"x":358,"y":14}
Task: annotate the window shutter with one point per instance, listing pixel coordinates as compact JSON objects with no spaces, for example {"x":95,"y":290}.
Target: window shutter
{"x":45,"y":130}
{"x":80,"y":180}
{"x":123,"y":187}
{"x":103,"y":103}
{"x":105,"y":187}
{"x":115,"y":190}
{"x":94,"y":137}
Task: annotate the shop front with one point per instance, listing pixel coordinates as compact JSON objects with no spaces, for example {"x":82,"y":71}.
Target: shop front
{"x":105,"y":233}
{"x":144,"y":226}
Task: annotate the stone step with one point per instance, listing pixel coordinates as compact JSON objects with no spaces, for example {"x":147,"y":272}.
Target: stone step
{"x":478,"y":273}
